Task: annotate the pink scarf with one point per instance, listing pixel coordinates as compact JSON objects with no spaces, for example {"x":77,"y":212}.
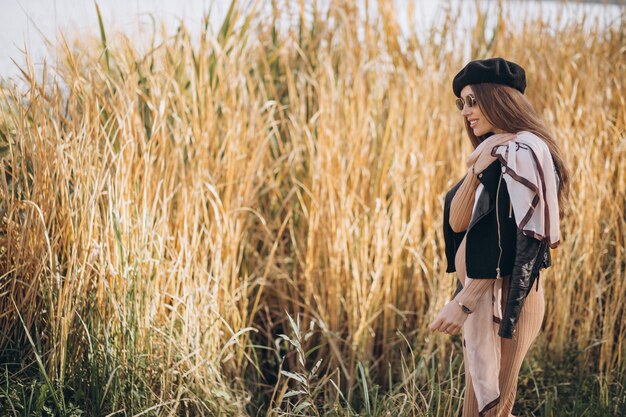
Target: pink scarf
{"x":531,"y":178}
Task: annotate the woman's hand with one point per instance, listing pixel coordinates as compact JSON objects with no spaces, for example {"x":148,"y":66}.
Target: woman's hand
{"x":450,"y":319}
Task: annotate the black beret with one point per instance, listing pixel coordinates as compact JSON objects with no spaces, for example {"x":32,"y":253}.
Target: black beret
{"x":492,"y":70}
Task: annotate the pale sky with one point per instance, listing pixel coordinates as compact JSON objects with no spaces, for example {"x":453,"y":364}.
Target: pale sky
{"x":26,"y":23}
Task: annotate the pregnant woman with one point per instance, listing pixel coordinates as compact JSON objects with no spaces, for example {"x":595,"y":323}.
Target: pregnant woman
{"x":500,"y":222}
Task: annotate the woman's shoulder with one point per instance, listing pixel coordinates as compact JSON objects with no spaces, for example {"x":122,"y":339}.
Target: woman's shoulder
{"x":534,"y":141}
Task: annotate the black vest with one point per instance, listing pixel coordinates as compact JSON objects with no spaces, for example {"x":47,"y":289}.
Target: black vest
{"x":485,"y":250}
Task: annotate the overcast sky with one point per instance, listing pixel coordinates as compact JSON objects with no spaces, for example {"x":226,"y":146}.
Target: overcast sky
{"x":26,"y":23}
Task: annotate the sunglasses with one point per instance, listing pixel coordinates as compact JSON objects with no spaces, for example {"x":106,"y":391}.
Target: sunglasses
{"x":470,"y":100}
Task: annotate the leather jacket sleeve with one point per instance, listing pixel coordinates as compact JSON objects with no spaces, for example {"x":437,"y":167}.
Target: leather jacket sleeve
{"x":529,"y":257}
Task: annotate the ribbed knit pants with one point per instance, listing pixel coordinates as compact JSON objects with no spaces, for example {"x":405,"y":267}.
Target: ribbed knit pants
{"x":513,"y":352}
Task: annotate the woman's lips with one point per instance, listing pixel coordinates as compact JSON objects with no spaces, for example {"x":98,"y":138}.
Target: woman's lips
{"x":473,"y":123}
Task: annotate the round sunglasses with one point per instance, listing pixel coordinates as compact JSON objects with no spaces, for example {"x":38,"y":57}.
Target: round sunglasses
{"x":469,"y":99}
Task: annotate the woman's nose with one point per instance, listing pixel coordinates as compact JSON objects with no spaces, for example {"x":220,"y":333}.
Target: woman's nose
{"x":466,"y":110}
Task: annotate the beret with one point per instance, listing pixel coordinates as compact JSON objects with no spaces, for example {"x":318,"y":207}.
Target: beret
{"x":493,"y":70}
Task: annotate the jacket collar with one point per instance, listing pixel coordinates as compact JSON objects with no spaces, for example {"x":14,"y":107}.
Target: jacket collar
{"x":486,"y":201}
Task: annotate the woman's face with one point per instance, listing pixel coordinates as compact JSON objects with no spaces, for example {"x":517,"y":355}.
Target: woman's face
{"x":475,"y":116}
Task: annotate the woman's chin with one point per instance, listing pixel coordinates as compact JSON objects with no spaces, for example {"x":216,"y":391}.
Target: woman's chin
{"x":478,"y":132}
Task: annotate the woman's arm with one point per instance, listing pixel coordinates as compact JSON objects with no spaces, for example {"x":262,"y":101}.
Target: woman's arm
{"x":470,"y":294}
{"x":451,"y":318}
{"x":463,"y":203}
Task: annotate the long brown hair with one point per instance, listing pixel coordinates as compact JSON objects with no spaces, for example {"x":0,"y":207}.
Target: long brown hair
{"x":507,"y":109}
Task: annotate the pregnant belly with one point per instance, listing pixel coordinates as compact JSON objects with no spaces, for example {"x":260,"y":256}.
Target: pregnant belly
{"x":459,"y":261}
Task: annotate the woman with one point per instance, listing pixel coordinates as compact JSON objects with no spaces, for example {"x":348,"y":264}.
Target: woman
{"x":500,"y":222}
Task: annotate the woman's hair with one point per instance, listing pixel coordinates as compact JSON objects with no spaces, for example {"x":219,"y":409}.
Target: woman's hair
{"x":507,"y":109}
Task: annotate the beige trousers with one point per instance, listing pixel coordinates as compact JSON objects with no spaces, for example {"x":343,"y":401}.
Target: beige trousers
{"x":513,"y":352}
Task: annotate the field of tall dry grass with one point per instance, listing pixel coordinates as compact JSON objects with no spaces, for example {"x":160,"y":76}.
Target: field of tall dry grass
{"x":250,"y":222}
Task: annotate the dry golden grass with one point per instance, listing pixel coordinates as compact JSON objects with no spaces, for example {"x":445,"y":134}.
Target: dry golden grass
{"x":163,"y":212}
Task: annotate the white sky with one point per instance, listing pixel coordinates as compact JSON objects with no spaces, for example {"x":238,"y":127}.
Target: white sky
{"x":26,"y":23}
